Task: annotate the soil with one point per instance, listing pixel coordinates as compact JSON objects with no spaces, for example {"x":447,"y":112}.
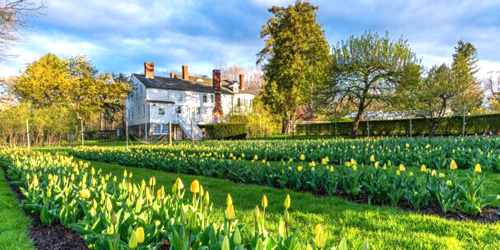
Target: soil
{"x":488,"y":215}
{"x":53,"y":237}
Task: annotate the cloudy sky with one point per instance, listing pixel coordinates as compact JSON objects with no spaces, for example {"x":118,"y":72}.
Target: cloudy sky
{"x":118,"y":36}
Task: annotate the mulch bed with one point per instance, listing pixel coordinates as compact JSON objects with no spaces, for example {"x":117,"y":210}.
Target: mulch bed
{"x":54,"y":237}
{"x":488,"y":215}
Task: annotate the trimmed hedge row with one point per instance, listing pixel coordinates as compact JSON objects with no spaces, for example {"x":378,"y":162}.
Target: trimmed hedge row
{"x":221,"y":131}
{"x":401,"y":127}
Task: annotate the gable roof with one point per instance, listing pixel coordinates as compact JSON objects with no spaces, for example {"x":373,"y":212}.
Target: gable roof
{"x":195,"y":83}
{"x":159,"y":82}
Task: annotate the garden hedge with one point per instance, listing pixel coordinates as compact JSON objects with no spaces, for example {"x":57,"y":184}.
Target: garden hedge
{"x":401,"y":127}
{"x":220,"y":131}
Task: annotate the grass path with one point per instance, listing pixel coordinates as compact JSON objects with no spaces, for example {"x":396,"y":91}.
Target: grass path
{"x":14,"y":224}
{"x":383,"y":227}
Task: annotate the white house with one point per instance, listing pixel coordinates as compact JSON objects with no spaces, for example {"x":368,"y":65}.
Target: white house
{"x":184,"y":101}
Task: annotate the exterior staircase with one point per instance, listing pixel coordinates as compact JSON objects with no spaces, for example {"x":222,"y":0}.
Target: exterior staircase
{"x":186,"y":123}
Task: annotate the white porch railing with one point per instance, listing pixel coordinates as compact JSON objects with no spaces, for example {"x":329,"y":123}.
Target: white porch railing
{"x":186,"y":124}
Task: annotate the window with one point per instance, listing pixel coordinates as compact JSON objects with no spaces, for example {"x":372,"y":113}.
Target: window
{"x":178,"y":110}
{"x":138,"y":111}
{"x":161,"y":110}
{"x":164,"y":128}
{"x":160,"y":128}
{"x":144,"y":110}
{"x":141,"y":90}
{"x":205,"y":98}
{"x":179,"y":98}
{"x":212,"y":98}
{"x":238,"y":101}
{"x":156,"y":129}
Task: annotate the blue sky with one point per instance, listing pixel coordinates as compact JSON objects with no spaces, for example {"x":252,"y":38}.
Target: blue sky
{"x":118,"y":36}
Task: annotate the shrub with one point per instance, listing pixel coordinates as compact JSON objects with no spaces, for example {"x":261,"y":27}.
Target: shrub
{"x":220,"y":131}
{"x":401,"y":127}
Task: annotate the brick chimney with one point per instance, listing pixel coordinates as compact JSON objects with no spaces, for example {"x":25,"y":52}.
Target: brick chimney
{"x":216,"y":80}
{"x":242,"y":82}
{"x":149,"y":69}
{"x":218,"y":111}
{"x":172,"y":75}
{"x":185,"y":72}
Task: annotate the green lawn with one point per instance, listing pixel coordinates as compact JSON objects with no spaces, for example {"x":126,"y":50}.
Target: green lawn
{"x":383,"y":227}
{"x":14,"y":224}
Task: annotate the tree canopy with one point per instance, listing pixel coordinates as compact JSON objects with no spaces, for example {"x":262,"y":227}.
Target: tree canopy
{"x":294,"y":59}
{"x":367,"y":69}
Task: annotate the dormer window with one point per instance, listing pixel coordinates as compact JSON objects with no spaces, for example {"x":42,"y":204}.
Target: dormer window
{"x":235,"y":88}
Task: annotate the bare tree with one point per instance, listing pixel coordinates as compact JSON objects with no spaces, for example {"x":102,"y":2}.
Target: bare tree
{"x":253,"y":76}
{"x":493,"y":91}
{"x":13,"y":14}
{"x":7,"y":97}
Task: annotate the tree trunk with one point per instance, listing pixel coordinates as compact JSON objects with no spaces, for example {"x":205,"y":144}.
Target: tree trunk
{"x":355,"y":124}
{"x":283,"y":125}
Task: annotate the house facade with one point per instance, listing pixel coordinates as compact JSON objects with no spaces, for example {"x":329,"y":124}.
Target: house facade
{"x":181,"y":103}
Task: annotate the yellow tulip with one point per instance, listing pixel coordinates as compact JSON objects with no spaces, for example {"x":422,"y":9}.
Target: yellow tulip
{"x":139,"y":232}
{"x":299,"y":168}
{"x":84,"y":194}
{"x":477,"y":168}
{"x":372,"y":158}
{"x":423,"y":168}
{"x":302,"y":157}
{"x":230,"y":215}
{"x":402,"y":168}
{"x":453,"y":165}
{"x":195,"y":187}
{"x":264,"y":201}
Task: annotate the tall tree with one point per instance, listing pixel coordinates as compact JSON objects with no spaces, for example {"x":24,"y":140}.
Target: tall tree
{"x":366,"y":69}
{"x":13,"y":15}
{"x":294,"y":59}
{"x":435,"y":94}
{"x":464,"y":68}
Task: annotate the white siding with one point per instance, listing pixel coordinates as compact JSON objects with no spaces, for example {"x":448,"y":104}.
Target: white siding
{"x":190,"y":103}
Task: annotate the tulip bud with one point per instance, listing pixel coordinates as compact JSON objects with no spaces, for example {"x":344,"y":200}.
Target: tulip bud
{"x":237,"y":237}
{"x":229,"y":200}
{"x":206,"y":199}
{"x":109,"y":204}
{"x":264,"y":201}
{"x":449,"y":183}
{"x":132,"y":243}
{"x":225,"y":244}
{"x":287,"y":202}
{"x":114,"y":220}
{"x":256,"y":212}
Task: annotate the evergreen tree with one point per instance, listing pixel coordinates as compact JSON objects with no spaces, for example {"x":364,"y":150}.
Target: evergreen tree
{"x":295,"y":59}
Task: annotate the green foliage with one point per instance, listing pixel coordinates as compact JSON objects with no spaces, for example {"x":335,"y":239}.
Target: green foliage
{"x":112,"y":212}
{"x":477,"y":124}
{"x":382,"y":180}
{"x":295,"y":59}
{"x":366,"y":69}
{"x":221,"y":131}
{"x":56,"y":93}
